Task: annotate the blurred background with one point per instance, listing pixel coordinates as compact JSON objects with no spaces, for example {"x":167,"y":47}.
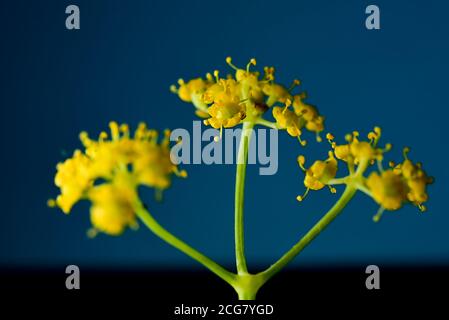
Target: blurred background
{"x":119,"y":66}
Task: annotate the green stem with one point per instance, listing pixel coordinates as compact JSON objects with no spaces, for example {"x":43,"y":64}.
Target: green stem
{"x":247,"y":286}
{"x":311,"y":234}
{"x":247,"y":295}
{"x":242,"y":159}
{"x":267,"y":123}
{"x":336,"y":181}
{"x":162,"y":233}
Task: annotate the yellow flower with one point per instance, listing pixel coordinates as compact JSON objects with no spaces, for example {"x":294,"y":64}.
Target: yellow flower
{"x":226,"y":109}
{"x":188,"y":91}
{"x":108,"y":172}
{"x":152,"y":166}
{"x":404,"y":183}
{"x":111,"y":211}
{"x":287,"y":119}
{"x":416,"y":179}
{"x":73,"y":177}
{"x":357,"y":151}
{"x":342,"y":152}
{"x":227,"y":115}
{"x":313,"y":120}
{"x":417,"y":193}
{"x":388,"y":189}
{"x":315,"y":125}
{"x":319,"y":174}
{"x":276,"y":93}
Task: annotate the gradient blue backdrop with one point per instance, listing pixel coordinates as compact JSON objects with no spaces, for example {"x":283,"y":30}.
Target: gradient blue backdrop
{"x":119,"y":66}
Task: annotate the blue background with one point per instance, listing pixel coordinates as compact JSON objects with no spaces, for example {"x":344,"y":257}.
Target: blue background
{"x":56,"y":82}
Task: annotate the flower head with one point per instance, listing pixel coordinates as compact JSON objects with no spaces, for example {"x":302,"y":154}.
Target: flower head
{"x":405,"y":183}
{"x":246,"y":95}
{"x":391,"y":189}
{"x":108,"y":172}
{"x":415,"y":179}
{"x":225,"y":110}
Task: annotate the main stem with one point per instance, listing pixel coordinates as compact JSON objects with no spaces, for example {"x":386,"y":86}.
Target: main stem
{"x":311,"y":234}
{"x":162,"y":233}
{"x":242,"y":159}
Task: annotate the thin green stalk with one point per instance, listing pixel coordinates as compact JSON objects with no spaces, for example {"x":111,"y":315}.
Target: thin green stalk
{"x":242,"y":159}
{"x":267,"y":123}
{"x":162,"y":233}
{"x":311,"y":234}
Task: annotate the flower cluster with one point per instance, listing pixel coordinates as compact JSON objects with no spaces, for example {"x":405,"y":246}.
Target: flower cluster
{"x":109,"y":171}
{"x":390,"y":188}
{"x":246,"y":96}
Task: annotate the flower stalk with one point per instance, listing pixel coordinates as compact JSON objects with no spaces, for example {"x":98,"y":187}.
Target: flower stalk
{"x":330,"y":216}
{"x":242,"y":159}
{"x":168,"y":237}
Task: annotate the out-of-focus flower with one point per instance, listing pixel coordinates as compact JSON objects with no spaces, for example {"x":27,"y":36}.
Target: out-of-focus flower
{"x":405,"y":183}
{"x":108,"y":172}
{"x":388,"y":189}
